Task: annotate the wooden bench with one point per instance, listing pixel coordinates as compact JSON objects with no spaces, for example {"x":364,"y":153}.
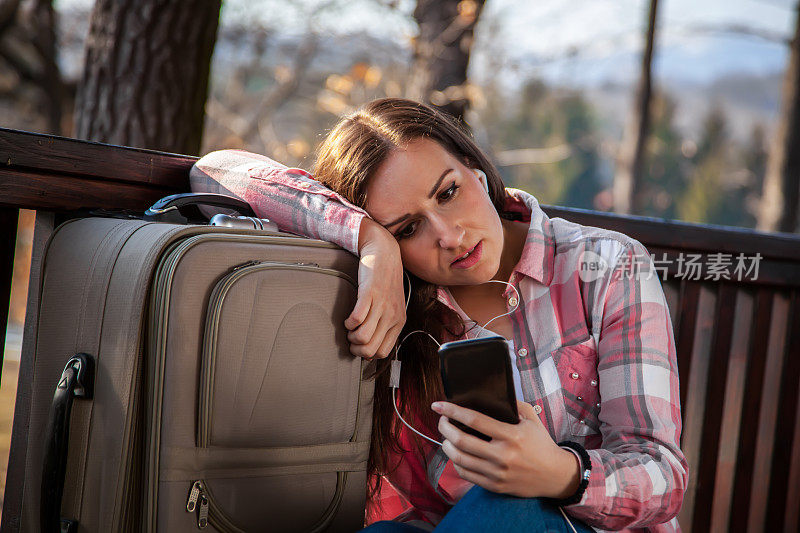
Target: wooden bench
{"x":738,"y":339}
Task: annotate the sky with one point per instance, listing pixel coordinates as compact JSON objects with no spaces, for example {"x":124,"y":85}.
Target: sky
{"x":558,"y":23}
{"x":575,"y":41}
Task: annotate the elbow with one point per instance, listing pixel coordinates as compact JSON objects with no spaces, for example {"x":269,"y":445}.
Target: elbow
{"x":666,"y":497}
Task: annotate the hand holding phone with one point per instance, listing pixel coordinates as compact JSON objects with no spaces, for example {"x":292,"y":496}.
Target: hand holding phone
{"x":476,"y":374}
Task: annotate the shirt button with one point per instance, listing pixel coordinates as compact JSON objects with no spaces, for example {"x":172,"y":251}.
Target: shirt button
{"x":522,"y":352}
{"x":574,"y":375}
{"x":594,"y":383}
{"x":513,"y":301}
{"x":597,"y":404}
{"x":580,"y":398}
{"x":537,"y":409}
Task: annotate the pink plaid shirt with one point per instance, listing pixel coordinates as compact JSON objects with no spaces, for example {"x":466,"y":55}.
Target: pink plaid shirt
{"x":593,"y":339}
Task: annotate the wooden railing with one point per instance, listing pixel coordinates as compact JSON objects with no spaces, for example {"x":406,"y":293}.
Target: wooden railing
{"x":738,"y":339}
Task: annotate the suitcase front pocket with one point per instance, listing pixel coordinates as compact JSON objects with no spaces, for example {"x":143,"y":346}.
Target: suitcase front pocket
{"x":277,"y":383}
{"x":210,"y":512}
{"x":276,"y":369}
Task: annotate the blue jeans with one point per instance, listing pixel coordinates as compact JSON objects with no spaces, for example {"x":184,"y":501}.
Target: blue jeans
{"x":482,"y":510}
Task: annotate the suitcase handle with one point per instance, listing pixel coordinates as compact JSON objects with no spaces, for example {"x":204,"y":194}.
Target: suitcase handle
{"x":167,"y":209}
{"x":76,"y":381}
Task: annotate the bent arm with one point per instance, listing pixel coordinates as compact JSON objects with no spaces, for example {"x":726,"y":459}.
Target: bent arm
{"x":639,"y":475}
{"x":290,"y":197}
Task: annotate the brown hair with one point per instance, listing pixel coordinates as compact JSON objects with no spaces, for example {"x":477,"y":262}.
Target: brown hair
{"x":346,"y":160}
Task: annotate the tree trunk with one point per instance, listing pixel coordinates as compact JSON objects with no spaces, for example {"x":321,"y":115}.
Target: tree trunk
{"x":146,"y":73}
{"x":628,"y":179}
{"x":441,"y":53}
{"x":45,"y":43}
{"x":28,"y":48}
{"x":779,"y":202}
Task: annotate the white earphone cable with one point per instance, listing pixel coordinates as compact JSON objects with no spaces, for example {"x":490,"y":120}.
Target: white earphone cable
{"x":394,"y":377}
{"x":518,"y":299}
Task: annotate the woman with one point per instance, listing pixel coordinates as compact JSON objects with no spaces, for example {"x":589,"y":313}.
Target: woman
{"x":403,"y":187}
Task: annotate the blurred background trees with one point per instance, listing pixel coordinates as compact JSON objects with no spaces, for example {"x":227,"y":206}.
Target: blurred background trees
{"x":707,"y":142}
{"x":32,"y":91}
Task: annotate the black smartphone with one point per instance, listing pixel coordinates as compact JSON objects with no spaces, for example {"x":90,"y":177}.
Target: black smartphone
{"x":476,"y":374}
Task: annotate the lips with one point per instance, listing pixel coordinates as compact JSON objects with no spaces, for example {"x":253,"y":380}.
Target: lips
{"x":474,"y":255}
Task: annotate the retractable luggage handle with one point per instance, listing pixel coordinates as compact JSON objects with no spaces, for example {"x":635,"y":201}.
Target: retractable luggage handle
{"x":77,"y":381}
{"x":168,"y":208}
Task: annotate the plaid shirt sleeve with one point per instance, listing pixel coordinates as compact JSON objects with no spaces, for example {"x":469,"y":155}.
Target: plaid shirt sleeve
{"x":290,"y":197}
{"x":639,"y":474}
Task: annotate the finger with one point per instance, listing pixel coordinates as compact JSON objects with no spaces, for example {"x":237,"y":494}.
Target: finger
{"x":470,"y":462}
{"x":365,"y":333}
{"x":477,"y":421}
{"x":476,"y":478}
{"x":359,"y":313}
{"x":389,"y":341}
{"x":466,"y":442}
{"x":370,"y":347}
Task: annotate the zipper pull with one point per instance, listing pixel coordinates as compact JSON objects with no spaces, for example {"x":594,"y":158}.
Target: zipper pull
{"x":245,"y":265}
{"x":194,"y":494}
{"x":202,"y":516}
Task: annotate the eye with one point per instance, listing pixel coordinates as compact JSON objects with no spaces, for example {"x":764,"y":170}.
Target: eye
{"x":449,"y":192}
{"x":407,"y":231}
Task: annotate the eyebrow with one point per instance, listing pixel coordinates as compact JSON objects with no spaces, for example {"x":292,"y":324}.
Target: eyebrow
{"x":430,"y":195}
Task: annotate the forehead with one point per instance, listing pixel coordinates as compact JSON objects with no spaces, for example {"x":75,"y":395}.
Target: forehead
{"x":405,"y":178}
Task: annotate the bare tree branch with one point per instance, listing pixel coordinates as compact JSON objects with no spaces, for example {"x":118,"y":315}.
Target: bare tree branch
{"x":284,"y":88}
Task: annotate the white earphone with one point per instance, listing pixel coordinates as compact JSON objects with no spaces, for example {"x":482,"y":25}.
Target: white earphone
{"x":482,"y":177}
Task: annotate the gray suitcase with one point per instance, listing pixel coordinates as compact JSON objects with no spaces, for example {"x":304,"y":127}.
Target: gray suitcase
{"x":212,"y":382}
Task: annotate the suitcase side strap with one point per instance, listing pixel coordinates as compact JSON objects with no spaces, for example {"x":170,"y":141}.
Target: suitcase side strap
{"x":76,"y":381}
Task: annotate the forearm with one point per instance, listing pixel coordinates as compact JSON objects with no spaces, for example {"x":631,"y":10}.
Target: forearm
{"x":629,"y":490}
{"x":290,"y":197}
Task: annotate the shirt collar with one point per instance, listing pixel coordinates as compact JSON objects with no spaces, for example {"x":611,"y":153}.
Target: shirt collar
{"x":538,"y":254}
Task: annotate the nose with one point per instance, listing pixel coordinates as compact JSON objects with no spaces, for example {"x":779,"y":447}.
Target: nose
{"x":449,"y":234}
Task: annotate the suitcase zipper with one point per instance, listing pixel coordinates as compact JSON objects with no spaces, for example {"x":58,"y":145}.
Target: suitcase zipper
{"x":196,"y":496}
{"x":256,"y":262}
{"x":208,"y":512}
{"x":216,"y":300}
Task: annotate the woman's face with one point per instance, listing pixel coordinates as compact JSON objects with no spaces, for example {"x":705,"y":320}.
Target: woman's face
{"x":438,"y":210}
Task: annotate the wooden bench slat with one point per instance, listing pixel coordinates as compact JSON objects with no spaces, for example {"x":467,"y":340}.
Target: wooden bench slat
{"x":733,"y":407}
{"x":9,"y":218}
{"x":767,"y":420}
{"x":687,"y":322}
{"x":685,"y":236}
{"x":672,"y":294}
{"x":750,"y":402}
{"x":49,"y":154}
{"x":783,"y":503}
{"x":697,"y":309}
{"x":60,"y":192}
{"x":705,"y":469}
